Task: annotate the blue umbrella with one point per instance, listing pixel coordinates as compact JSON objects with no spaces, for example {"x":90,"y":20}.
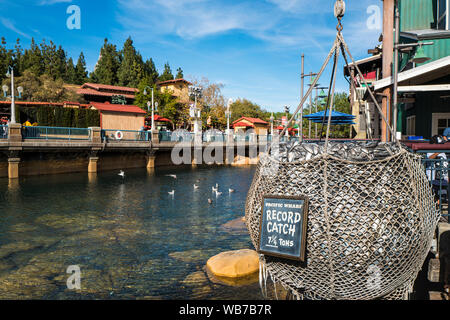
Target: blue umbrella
{"x":336,"y":117}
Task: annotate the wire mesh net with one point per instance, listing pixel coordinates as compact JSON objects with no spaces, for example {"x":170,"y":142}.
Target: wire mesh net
{"x":370,"y":223}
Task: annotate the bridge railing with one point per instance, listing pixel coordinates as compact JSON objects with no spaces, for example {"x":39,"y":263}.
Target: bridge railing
{"x":56,"y":133}
{"x":3,"y":132}
{"x":113,"y":135}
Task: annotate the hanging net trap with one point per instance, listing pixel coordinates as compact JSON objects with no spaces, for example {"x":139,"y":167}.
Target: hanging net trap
{"x":371,"y":214}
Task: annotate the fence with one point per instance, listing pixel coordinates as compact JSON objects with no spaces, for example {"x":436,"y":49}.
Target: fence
{"x":3,"y":132}
{"x":113,"y":135}
{"x":56,"y":133}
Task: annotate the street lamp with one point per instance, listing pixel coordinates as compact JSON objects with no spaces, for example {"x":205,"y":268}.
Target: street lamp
{"x":10,"y":73}
{"x":196,"y":93}
{"x":286,"y":109}
{"x":228,"y":115}
{"x":152,"y":105}
{"x":271,"y":124}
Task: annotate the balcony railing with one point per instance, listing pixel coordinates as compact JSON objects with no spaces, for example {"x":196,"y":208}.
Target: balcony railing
{"x":113,"y":135}
{"x":56,"y":133}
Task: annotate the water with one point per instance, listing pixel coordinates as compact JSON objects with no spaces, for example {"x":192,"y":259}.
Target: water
{"x":129,"y":237}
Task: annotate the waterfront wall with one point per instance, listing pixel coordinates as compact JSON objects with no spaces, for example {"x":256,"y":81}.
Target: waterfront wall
{"x":45,"y":163}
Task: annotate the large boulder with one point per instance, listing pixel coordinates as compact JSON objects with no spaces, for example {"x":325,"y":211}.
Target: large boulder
{"x":234,"y":264}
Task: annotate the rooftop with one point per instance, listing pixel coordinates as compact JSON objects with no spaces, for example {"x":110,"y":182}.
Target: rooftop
{"x":173,"y":81}
{"x":251,"y":120}
{"x":117,"y":108}
{"x":99,"y":86}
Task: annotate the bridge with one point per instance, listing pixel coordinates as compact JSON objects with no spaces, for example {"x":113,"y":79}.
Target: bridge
{"x":46,"y":150}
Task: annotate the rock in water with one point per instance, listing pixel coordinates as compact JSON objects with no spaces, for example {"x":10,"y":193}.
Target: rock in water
{"x":234,"y":264}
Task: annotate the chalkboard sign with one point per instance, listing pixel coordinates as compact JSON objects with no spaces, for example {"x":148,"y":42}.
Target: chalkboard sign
{"x":283,"y":227}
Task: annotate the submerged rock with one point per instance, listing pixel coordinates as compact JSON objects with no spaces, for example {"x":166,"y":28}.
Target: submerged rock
{"x":236,"y":226}
{"x":195,"y":279}
{"x":234,"y":264}
{"x":192,"y":256}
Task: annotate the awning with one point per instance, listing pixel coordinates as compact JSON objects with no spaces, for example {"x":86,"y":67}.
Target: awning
{"x":158,"y":119}
{"x":337,"y":118}
{"x":420,"y":75}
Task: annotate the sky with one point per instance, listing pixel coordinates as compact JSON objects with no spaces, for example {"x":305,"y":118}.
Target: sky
{"x":252,"y":47}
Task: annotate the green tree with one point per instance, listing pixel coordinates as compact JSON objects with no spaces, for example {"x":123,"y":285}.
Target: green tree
{"x":81,"y":74}
{"x":71,"y":76}
{"x":32,"y":59}
{"x":167,"y":74}
{"x":151,"y":71}
{"x":246,"y":108}
{"x":132,"y":69}
{"x":107,"y":65}
{"x":43,"y":88}
{"x":179,"y":74}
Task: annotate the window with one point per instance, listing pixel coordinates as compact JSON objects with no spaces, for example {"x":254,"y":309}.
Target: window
{"x":442,"y":15}
{"x":441,"y":121}
{"x":411,"y":126}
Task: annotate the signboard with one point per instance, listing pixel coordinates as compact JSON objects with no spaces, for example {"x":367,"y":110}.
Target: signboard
{"x":284,"y":121}
{"x":283,"y":227}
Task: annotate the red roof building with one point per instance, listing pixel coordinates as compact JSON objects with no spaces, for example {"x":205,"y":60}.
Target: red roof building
{"x":245,"y":123}
{"x":103,"y":93}
{"x":120,"y":117}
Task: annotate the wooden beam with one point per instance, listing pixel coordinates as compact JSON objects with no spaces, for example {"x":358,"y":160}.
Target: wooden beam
{"x":425,"y":88}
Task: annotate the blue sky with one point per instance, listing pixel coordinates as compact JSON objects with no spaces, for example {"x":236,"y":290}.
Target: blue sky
{"x":252,"y":47}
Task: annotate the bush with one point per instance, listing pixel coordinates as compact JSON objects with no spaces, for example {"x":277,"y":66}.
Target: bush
{"x":50,"y":116}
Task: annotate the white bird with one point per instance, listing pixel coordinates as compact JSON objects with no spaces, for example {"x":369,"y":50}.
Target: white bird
{"x":230,"y":190}
{"x":122,"y":174}
{"x":195,"y":186}
{"x":217,"y":186}
{"x":218,"y":193}
{"x":209,"y":201}
{"x":214,"y":189}
{"x":172,"y":175}
{"x":172,"y":193}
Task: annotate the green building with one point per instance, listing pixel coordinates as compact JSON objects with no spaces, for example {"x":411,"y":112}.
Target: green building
{"x":424,"y":70}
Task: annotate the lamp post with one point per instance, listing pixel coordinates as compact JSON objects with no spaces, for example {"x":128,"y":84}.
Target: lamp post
{"x":195,"y":92}
{"x":152,"y":105}
{"x":271,"y":124}
{"x":10,"y":73}
{"x":286,"y":109}
{"x":228,"y":115}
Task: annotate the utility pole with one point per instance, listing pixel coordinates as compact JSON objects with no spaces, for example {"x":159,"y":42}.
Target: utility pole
{"x":300,"y":128}
{"x":388,"y":50}
{"x":397,"y":40}
{"x":310,"y":100}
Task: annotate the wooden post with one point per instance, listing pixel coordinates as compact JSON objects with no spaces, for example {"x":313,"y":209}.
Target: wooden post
{"x":388,"y":55}
{"x":92,"y":167}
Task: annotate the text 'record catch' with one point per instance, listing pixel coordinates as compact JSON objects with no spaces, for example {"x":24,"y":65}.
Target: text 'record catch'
{"x":283,"y":227}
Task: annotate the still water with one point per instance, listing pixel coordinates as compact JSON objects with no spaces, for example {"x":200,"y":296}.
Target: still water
{"x":130,"y":238}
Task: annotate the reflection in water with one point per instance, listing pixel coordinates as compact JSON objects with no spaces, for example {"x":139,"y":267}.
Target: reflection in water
{"x":129,"y":237}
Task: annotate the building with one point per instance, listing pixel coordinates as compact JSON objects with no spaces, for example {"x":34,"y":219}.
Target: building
{"x":119,"y":117}
{"x":177,"y":87}
{"x":423,"y":74}
{"x":244,"y":123}
{"x":95,"y":92}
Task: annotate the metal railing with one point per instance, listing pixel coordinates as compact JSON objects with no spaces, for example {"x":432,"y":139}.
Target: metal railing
{"x":437,"y":171}
{"x":165,"y":136}
{"x":3,"y":132}
{"x":113,"y":135}
{"x":56,"y":133}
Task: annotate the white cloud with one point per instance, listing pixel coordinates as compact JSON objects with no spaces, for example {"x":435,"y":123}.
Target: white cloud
{"x":50,"y":2}
{"x":7,"y":23}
